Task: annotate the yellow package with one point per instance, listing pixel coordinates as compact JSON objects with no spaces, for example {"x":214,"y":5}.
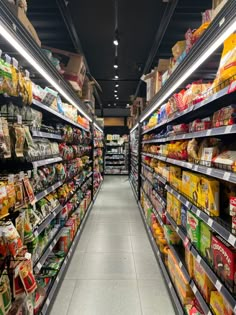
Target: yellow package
{"x":176,"y":210}
{"x":177,"y":183}
{"x":227,"y":67}
{"x":219,"y":305}
{"x":210,"y":191}
{"x":195,"y":191}
{"x":203,"y":282}
{"x":178,"y":48}
{"x":189,"y":262}
{"x":186,"y":179}
{"x":169,"y":197}
{"x":175,"y":171}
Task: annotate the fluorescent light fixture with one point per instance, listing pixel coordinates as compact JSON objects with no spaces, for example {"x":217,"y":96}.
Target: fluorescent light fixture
{"x":231,"y":28}
{"x":116,"y":76}
{"x":134,"y":128}
{"x":115,"y":66}
{"x":116,"y":42}
{"x":21,"y":49}
{"x":98,"y":127}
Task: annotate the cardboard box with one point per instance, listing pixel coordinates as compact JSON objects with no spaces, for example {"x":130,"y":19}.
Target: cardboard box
{"x":195,"y":188}
{"x":189,"y":262}
{"x":178,"y":48}
{"x":193,"y":229}
{"x":176,"y":210}
{"x":87,"y":91}
{"x":75,"y":71}
{"x":163,"y":65}
{"x":20,"y":14}
{"x":209,"y":200}
{"x":224,"y":261}
{"x":217,"y":6}
{"x":203,"y":282}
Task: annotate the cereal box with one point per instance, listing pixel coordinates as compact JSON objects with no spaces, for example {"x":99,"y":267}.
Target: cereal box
{"x":210,"y":192}
{"x":224,"y":261}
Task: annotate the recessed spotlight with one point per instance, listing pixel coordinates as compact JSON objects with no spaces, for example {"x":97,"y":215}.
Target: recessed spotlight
{"x":109,"y":105}
{"x":115,"y":91}
{"x":116,"y":77}
{"x":116,"y":42}
{"x":117,"y":97}
{"x":114,"y":104}
{"x":115,"y":66}
{"x":117,"y":85}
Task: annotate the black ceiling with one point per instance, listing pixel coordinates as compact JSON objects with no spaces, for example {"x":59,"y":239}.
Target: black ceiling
{"x":94,"y":22}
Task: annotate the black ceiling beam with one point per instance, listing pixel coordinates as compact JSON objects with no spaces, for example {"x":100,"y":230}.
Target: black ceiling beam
{"x":66,"y":15}
{"x":165,"y":21}
{"x":115,"y":80}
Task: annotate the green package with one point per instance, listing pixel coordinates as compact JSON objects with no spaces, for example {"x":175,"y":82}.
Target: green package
{"x":205,"y":241}
{"x":193,"y":229}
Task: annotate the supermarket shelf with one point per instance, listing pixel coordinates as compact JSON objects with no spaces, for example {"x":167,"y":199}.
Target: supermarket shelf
{"x":133,"y":188}
{"x":172,"y":292}
{"x":47,"y":220}
{"x":111,"y":153}
{"x":56,"y":285}
{"x":215,"y":280}
{"x":49,"y":249}
{"x":41,"y":134}
{"x":54,"y":112}
{"x":213,"y":277}
{"x":160,"y":178}
{"x":153,"y":208}
{"x":46,"y":162}
{"x":213,"y":172}
{"x":200,"y":299}
{"x":195,"y":289}
{"x":210,"y":221}
{"x":156,"y":194}
{"x":220,"y":131}
{"x":47,"y":191}
{"x":147,"y":167}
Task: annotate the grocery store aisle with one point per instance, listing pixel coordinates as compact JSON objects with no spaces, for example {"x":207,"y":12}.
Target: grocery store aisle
{"x":113,"y":270}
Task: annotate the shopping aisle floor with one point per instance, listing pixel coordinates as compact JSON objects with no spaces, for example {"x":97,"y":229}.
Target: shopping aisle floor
{"x":113,"y":270}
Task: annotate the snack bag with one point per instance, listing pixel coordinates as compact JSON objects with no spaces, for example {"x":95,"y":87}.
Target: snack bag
{"x":227,"y":67}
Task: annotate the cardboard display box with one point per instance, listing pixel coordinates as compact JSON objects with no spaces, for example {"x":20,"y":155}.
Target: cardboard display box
{"x":20,"y":14}
{"x":217,"y":6}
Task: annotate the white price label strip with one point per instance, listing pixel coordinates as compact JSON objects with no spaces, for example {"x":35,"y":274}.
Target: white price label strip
{"x":208,"y":133}
{"x":226,"y":176}
{"x":218,"y":285}
{"x":194,"y":289}
{"x":228,"y":129}
{"x":47,"y":302}
{"x":199,"y":259}
{"x":180,"y":264}
{"x":209,"y":171}
{"x":210,"y":222}
{"x":198,"y":213}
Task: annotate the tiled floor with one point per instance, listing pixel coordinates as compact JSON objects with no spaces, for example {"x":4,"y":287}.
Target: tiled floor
{"x":113,"y":270}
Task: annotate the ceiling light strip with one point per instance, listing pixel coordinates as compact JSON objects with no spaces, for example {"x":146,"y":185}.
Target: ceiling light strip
{"x":134,"y":128}
{"x":211,"y":48}
{"x":97,"y":127}
{"x":34,"y":63}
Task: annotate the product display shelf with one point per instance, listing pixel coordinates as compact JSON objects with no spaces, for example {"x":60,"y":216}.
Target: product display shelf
{"x":219,"y":285}
{"x":157,"y":215}
{"x":133,"y":188}
{"x":47,"y":135}
{"x":212,"y":222}
{"x":220,"y":131}
{"x":194,"y":108}
{"x":218,"y":26}
{"x":46,"y":162}
{"x":170,"y":286}
{"x":45,"y":310}
{"x":39,"y":229}
{"x":156,"y":194}
{"x":50,"y":110}
{"x":175,"y":250}
{"x":47,"y":191}
{"x":213,"y":172}
{"x":38,"y":265}
{"x":42,"y":259}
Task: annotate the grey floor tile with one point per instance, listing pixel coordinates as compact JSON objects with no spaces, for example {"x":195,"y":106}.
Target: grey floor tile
{"x":146,"y":266}
{"x":100,"y":228}
{"x":141,"y":244}
{"x":109,"y":244}
{"x":105,"y":297}
{"x":64,"y":297}
{"x":137,"y":228}
{"x":107,"y":266}
{"x":75,"y":265}
{"x":155,"y":290}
